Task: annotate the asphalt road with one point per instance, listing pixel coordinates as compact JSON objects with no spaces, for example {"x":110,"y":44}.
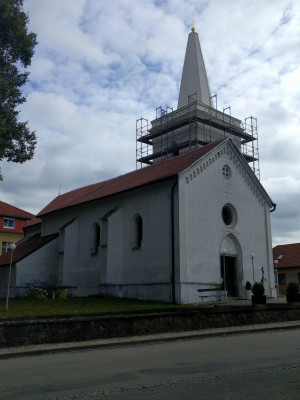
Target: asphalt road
{"x":248,"y":366}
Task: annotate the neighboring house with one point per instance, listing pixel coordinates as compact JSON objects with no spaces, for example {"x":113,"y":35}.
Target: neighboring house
{"x":287,"y":261}
{"x":195,"y":217}
{"x":12,"y":221}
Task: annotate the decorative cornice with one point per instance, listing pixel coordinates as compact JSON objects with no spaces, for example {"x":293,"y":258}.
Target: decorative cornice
{"x":238,"y":162}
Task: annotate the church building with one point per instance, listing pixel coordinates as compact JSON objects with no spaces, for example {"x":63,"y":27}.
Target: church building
{"x":192,"y":216}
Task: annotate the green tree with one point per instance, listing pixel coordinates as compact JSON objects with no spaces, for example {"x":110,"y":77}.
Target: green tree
{"x":17,"y":142}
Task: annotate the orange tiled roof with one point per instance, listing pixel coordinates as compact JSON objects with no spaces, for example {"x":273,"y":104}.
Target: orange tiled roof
{"x":26,"y":247}
{"x":6,"y":210}
{"x":291,"y":255}
{"x":159,"y":171}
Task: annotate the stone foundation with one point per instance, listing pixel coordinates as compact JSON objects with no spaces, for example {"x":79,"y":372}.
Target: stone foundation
{"x":59,"y":330}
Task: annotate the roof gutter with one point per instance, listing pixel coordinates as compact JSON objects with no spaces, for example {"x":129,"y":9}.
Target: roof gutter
{"x":274,"y":207}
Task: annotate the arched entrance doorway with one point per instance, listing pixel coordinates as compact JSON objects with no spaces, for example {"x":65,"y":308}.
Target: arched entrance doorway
{"x":230,"y":263}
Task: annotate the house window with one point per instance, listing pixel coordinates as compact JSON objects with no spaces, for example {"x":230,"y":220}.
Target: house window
{"x":9,"y":223}
{"x":137,"y":232}
{"x":5,"y":247}
{"x":95,"y":239}
{"x":281,"y":279}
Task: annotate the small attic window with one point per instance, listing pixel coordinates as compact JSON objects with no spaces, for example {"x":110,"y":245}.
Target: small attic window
{"x":226,"y":171}
{"x":9,"y":223}
{"x":280,"y":257}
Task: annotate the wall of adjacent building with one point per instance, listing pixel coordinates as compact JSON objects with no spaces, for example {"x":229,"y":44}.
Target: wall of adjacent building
{"x":11,"y":235}
{"x":18,"y":228}
{"x":9,"y":238}
{"x":290,"y":275}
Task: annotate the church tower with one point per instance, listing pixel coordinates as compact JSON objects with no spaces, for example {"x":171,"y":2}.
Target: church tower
{"x":196,"y":122}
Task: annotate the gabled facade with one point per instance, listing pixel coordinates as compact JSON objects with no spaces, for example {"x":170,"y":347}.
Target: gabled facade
{"x":12,"y":221}
{"x":224,"y":213}
{"x":194,"y":218}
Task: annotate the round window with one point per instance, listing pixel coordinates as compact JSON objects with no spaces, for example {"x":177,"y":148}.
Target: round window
{"x":229,"y":215}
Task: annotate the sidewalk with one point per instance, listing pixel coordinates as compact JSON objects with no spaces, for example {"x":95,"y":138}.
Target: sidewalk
{"x":14,"y":352}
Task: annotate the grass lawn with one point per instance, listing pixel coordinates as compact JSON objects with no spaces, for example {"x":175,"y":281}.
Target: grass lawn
{"x":27,"y":308}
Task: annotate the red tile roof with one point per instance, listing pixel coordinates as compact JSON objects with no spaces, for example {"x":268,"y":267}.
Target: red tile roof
{"x":159,"y":171}
{"x":6,"y":210}
{"x":26,"y":247}
{"x":291,"y":255}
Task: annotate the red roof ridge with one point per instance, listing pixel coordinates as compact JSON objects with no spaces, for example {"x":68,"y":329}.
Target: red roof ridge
{"x":287,"y":244}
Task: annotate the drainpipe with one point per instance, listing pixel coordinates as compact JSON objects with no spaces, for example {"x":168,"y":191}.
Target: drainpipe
{"x":269,"y":276}
{"x":268,"y":244}
{"x":173,"y":241}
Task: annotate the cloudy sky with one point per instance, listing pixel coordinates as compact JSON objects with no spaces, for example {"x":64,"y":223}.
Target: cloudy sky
{"x":100,"y":65}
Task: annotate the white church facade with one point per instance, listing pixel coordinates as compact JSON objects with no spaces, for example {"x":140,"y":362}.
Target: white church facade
{"x":194,"y":218}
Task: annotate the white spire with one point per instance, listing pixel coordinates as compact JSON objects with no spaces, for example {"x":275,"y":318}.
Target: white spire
{"x":194,"y":78}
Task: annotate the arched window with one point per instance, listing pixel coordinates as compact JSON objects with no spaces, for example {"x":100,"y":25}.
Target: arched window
{"x":137,"y":232}
{"x":95,"y":239}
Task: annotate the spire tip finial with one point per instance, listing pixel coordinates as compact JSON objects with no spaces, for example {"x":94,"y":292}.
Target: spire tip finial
{"x":193,"y":27}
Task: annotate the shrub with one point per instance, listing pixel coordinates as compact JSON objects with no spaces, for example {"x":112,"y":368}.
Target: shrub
{"x":258,"y":289}
{"x":248,"y":286}
{"x":292,"y":288}
{"x":63,"y":295}
{"x":37,"y":294}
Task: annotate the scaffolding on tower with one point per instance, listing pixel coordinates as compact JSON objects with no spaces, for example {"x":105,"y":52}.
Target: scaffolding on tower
{"x":250,"y":147}
{"x":175,"y":132}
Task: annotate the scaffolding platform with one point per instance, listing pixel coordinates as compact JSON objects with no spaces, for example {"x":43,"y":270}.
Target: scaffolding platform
{"x":173,"y":132}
